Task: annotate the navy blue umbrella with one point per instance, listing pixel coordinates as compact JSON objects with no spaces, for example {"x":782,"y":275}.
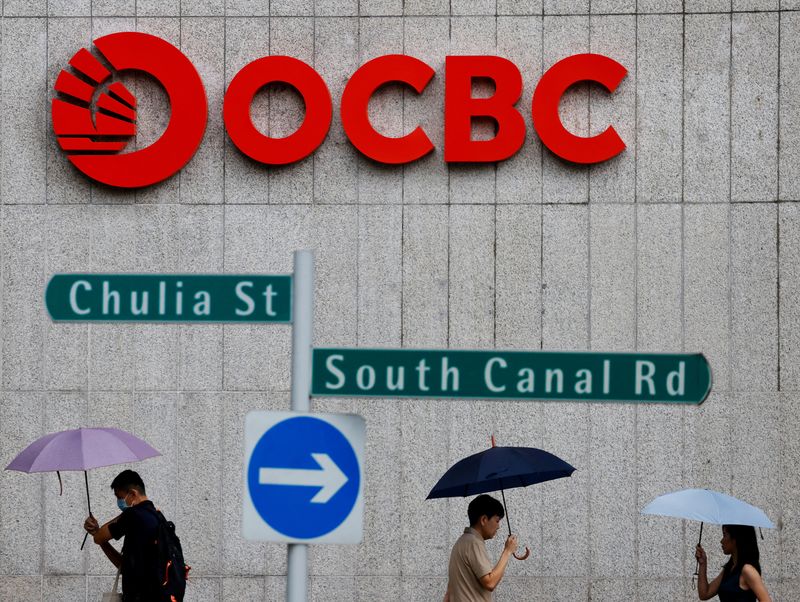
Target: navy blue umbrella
{"x":497,"y":469}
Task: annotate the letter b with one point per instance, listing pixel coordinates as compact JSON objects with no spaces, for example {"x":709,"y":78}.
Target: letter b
{"x":460,"y":107}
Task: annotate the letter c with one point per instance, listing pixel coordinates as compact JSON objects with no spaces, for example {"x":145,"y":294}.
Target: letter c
{"x":355,"y":101}
{"x":487,"y":374}
{"x":546,"y":98}
{"x":73,"y":296}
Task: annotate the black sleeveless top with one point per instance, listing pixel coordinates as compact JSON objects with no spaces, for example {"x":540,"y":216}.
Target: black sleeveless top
{"x":729,"y":590}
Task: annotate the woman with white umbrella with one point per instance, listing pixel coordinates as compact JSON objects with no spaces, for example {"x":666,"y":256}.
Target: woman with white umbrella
{"x":740,"y":578}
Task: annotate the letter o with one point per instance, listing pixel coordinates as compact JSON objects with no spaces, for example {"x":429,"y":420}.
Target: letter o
{"x":370,"y":372}
{"x":239,"y":98}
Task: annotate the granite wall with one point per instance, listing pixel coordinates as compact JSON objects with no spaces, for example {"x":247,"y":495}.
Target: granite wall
{"x":688,"y":241}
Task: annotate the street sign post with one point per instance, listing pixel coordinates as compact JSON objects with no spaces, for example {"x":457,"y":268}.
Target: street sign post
{"x":304,"y":478}
{"x":302,"y":339}
{"x":531,"y":375}
{"x":169,"y":298}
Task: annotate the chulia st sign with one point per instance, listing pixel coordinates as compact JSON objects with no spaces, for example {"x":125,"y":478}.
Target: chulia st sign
{"x":534,"y":375}
{"x":169,"y":298}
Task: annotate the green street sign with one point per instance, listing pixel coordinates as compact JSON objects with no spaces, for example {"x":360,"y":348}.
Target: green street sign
{"x":533,"y":375}
{"x":169,"y":298}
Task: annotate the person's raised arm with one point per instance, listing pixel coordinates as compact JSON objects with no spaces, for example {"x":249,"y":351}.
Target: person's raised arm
{"x":705,"y":590}
{"x":102,"y":536}
{"x":755,"y":583}
{"x":491,"y":580}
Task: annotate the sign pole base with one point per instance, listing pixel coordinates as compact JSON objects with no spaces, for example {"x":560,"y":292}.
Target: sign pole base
{"x":297,"y":575}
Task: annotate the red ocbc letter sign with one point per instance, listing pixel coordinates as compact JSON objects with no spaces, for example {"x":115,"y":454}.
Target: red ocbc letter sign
{"x":459,"y":110}
{"x":91,"y":142}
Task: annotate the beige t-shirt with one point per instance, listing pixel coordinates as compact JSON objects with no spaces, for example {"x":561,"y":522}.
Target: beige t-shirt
{"x":468,"y":563}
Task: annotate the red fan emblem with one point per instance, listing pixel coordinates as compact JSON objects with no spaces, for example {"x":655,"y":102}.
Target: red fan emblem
{"x":93,"y":137}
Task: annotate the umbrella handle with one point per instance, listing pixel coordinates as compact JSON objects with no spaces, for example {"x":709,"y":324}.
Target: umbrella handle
{"x":697,"y":562}
{"x":699,"y":541}
{"x":508,"y":524}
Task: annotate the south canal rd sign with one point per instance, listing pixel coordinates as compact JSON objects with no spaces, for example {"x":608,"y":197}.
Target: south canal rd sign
{"x":534,"y":375}
{"x":304,"y":477}
{"x":169,"y":298}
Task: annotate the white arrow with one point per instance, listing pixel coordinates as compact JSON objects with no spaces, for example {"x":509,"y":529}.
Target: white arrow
{"x":330,"y":478}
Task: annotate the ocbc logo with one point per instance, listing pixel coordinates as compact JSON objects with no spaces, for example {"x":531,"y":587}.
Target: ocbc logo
{"x":89,"y":144}
{"x":92,"y":145}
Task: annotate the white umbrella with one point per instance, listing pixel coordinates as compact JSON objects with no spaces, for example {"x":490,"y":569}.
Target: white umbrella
{"x":708,"y":507}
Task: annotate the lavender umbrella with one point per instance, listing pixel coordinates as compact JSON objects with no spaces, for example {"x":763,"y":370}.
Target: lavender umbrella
{"x":81,"y":449}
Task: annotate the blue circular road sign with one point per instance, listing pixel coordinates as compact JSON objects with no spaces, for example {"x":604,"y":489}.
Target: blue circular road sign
{"x":303,"y":477}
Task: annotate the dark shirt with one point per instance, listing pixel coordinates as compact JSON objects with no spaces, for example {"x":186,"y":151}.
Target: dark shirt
{"x":138,"y":525}
{"x":729,"y":590}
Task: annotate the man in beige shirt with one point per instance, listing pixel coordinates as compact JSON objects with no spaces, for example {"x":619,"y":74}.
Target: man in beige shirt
{"x":471,"y":576}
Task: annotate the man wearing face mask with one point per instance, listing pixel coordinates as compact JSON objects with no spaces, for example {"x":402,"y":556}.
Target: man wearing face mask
{"x":138,"y":524}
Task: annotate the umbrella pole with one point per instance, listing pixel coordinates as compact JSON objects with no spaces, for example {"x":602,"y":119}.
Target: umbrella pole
{"x":503,"y":494}
{"x":508,"y":522}
{"x":88,"y":502}
{"x":88,"y":498}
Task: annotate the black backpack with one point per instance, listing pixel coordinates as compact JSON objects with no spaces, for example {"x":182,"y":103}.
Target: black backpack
{"x":172,"y":570}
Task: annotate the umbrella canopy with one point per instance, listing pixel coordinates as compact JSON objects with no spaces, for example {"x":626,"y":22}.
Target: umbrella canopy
{"x":497,"y":469}
{"x":81,"y":449}
{"x":500,"y":468}
{"x":708,"y":506}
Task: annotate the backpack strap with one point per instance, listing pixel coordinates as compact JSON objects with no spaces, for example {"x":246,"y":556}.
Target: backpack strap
{"x":157,"y":513}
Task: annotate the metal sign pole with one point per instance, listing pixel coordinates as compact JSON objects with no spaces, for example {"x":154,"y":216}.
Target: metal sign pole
{"x":302,"y":341}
